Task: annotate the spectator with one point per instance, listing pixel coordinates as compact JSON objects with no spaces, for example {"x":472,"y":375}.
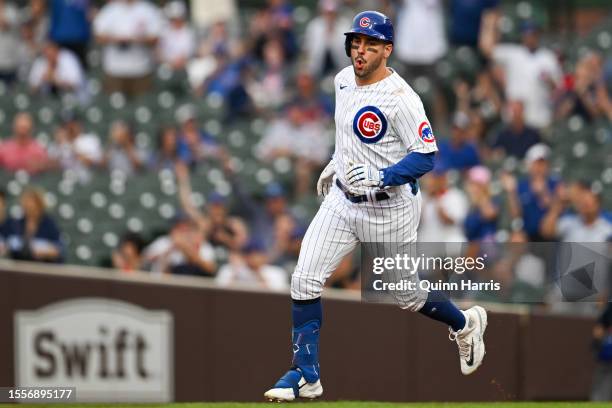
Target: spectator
{"x":442,"y":219}
{"x":166,"y":156}
{"x":580,"y":94}
{"x":483,"y":100}
{"x":9,"y":42}
{"x":218,"y":40}
{"x":35,"y":15}
{"x":586,"y":225}
{"x":294,"y":137}
{"x":227,"y":233}
{"x":27,"y":51}
{"x":6,"y":225}
{"x":460,"y":153}
{"x":530,"y":198}
{"x":324,"y":40}
{"x":122,"y":154}
{"x":602,"y":344}
{"x":71,"y":26}
{"x":206,"y":13}
{"x":419,"y":23}
{"x":274,"y":23}
{"x":268,"y":87}
{"x":177,"y":40}
{"x":253,"y":269}
{"x":531,"y":72}
{"x":466,"y":20}
{"x":481,"y":221}
{"x":228,"y":79}
{"x":35,"y":236}
{"x":195,"y":145}
{"x":57,"y":71}
{"x":128,"y":255}
{"x":315,"y":106}
{"x":604,"y":90}
{"x":516,"y":137}
{"x":128,"y":31}
{"x":22,"y":151}
{"x":272,"y":223}
{"x":75,"y":150}
{"x":184,"y":251}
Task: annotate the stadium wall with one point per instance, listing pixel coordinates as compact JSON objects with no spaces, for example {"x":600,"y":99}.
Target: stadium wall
{"x":228,"y":345}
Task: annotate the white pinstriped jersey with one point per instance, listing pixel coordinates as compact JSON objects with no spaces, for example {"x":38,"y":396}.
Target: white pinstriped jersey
{"x":378,"y":124}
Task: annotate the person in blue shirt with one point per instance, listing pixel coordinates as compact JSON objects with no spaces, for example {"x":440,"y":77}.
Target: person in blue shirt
{"x":516,"y":137}
{"x":458,"y":153}
{"x":481,"y":222}
{"x":529,"y":199}
{"x":195,"y":145}
{"x":466,"y":17}
{"x":70,"y":26}
{"x":35,"y":236}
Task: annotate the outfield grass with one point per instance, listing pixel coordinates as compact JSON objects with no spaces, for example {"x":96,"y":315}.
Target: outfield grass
{"x":338,"y":404}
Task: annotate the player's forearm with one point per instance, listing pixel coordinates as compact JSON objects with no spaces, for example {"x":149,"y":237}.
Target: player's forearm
{"x":409,"y":169}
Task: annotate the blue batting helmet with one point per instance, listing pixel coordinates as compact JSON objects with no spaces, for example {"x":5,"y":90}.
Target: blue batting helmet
{"x":370,"y":23}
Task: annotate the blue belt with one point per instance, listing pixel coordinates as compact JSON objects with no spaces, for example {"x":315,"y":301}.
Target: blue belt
{"x":380,"y":195}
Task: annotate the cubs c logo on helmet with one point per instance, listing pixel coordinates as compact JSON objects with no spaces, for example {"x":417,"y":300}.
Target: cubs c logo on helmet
{"x":365,"y":22}
{"x":426,"y":133}
{"x":369,"y":124}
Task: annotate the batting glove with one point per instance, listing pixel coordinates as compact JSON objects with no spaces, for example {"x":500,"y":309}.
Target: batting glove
{"x":326,"y":179}
{"x":361,"y":175}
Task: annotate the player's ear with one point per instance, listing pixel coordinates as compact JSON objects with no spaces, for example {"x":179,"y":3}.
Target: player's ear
{"x":388,"y":49}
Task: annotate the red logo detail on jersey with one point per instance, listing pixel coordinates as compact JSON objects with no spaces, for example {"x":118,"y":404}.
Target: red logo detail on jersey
{"x":426,"y":133}
{"x":364,"y":22}
{"x":369,"y":124}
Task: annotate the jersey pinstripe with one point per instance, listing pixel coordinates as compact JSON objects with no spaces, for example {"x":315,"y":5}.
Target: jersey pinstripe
{"x":377,"y":125}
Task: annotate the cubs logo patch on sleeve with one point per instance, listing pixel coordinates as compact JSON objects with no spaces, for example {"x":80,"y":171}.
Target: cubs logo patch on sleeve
{"x":369,"y":124}
{"x":426,"y":133}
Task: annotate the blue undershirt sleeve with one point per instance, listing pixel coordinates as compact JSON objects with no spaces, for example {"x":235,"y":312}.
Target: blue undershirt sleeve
{"x":409,"y":169}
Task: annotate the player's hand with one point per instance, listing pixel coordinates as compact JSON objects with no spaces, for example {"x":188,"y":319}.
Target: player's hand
{"x":361,"y":175}
{"x":326,"y":179}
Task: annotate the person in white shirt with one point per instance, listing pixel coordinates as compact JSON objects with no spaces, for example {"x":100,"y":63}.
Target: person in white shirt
{"x":442,"y":220}
{"x":531,"y":73}
{"x":184,"y":251}
{"x":128,"y":31}
{"x":253,"y":269}
{"x":588,"y":224}
{"x":324,"y":47}
{"x":421,"y":37}
{"x":76,"y":150}
{"x":177,"y":42}
{"x":56,"y":71}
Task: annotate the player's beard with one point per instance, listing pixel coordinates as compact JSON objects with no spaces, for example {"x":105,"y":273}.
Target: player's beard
{"x":368,"y":67}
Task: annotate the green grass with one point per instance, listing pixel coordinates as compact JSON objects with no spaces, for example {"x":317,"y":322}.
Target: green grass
{"x":339,"y":404}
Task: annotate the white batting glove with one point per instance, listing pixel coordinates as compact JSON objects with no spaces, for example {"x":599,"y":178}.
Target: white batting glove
{"x":326,"y":179}
{"x":361,"y":175}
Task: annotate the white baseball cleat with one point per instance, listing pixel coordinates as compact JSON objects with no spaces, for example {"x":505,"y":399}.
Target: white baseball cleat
{"x":285,"y":390}
{"x":471,"y":339}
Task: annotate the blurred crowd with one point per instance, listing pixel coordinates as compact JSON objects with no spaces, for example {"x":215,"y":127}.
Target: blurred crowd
{"x":268,"y":70}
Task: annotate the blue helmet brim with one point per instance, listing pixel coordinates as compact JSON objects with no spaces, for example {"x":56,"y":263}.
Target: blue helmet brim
{"x":368,"y":32}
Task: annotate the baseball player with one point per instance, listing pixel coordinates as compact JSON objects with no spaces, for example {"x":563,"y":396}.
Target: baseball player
{"x":384,"y":143}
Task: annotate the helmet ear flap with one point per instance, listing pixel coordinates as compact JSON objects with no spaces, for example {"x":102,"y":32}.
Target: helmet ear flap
{"x":347,"y":44}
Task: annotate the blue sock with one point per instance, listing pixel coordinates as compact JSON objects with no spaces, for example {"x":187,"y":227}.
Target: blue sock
{"x":307,"y":321}
{"x":439,"y":308}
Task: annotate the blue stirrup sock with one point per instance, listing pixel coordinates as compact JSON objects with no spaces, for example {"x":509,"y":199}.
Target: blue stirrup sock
{"x":438,"y":307}
{"x":307,"y":321}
